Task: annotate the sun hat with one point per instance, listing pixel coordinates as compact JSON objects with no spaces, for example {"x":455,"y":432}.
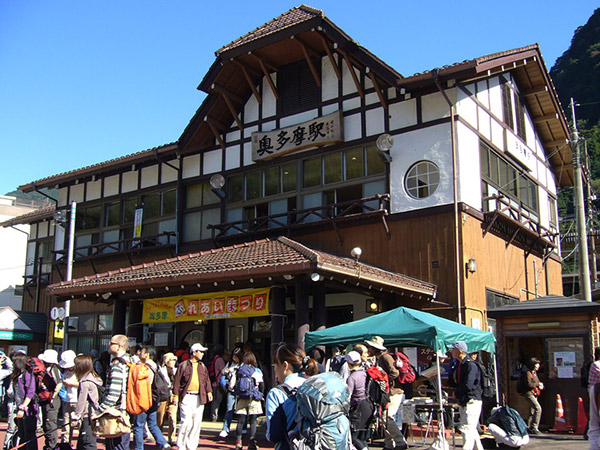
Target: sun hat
{"x":49,"y":356}
{"x":376,"y":342}
{"x":169,"y":357}
{"x":197,"y":347}
{"x":460,"y":345}
{"x":67,"y":359}
{"x":353,"y":357}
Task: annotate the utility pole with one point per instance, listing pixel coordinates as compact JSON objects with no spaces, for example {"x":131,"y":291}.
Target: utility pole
{"x":584,"y":261}
{"x":69,"y":277}
{"x":590,"y":197}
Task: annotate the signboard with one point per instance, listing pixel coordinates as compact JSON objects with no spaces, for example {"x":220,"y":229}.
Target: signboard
{"x":320,"y":131}
{"x":137,"y":223}
{"x":520,"y":151}
{"x":215,"y":305}
{"x":16,"y":336}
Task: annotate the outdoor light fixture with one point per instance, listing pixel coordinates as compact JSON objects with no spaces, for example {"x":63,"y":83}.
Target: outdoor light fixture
{"x":106,"y":295}
{"x":217,"y":181}
{"x":316,"y":277}
{"x":373,"y":305}
{"x":288,"y":277}
{"x":356,"y":252}
{"x":472,"y":265}
{"x":384,"y":143}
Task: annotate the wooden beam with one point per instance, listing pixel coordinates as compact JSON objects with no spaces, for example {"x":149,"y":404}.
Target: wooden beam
{"x":212,"y":124}
{"x":351,"y":69}
{"x":309,"y":48}
{"x":377,"y":89}
{"x":545,"y":118}
{"x":535,"y":90}
{"x":556,"y":143}
{"x":272,"y":67}
{"x":309,"y":62}
{"x":224,"y":91}
{"x":267,"y":75}
{"x":233,"y":111}
{"x":249,"y":80}
{"x":330,"y":56}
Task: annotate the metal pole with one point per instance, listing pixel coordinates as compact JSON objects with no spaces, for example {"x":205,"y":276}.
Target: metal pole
{"x":584,"y":266}
{"x":496,"y":379}
{"x":69,"y":271}
{"x":441,"y":426}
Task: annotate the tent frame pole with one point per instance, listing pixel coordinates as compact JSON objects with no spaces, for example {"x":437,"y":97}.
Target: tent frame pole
{"x":496,"y":379}
{"x":441,"y":425}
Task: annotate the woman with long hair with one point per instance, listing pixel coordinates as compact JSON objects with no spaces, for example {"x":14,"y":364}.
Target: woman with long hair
{"x":89,"y":382}
{"x":292,"y":366}
{"x":228,"y":372}
{"x":23,"y":385}
{"x":249,"y":408}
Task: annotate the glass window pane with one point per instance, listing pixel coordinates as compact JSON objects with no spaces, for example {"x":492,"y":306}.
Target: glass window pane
{"x":112,"y":214}
{"x":208,"y":196}
{"x":191,"y":226}
{"x":422,"y":179}
{"x":271,"y":180}
{"x":151,"y":205}
{"x":169,"y":202}
{"x":253,"y":185}
{"x":484,"y":159}
{"x":209,"y":217}
{"x":129,"y":209}
{"x":234,"y":188}
{"x":312,"y":172}
{"x":289,"y":177}
{"x":375,"y":164}
{"x":105,"y":322}
{"x":193,"y":196}
{"x":86,"y":323}
{"x":332,"y":168}
{"x":354,"y":163}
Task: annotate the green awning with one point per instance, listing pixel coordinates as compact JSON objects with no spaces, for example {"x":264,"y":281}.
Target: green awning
{"x":404,"y":327}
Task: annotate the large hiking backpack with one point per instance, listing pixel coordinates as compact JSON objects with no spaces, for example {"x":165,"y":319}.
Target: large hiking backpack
{"x":336,"y":363}
{"x":212,"y":373}
{"x":486,"y":381}
{"x":44,"y":382}
{"x":160,"y":388}
{"x":323,"y":403}
{"x":402,"y":363}
{"x":378,"y":387}
{"x":245,"y":384}
{"x":139,"y":389}
{"x":522,"y":384}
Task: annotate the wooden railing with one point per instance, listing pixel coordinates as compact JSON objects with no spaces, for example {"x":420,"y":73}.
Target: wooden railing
{"x":378,"y":204}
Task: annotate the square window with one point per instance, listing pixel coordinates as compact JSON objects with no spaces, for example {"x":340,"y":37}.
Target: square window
{"x":332,"y":168}
{"x":271,"y":175}
{"x":288,"y":175}
{"x":312,"y":172}
{"x":354,"y":163}
{"x":253,"y":185}
{"x":235,"y":188}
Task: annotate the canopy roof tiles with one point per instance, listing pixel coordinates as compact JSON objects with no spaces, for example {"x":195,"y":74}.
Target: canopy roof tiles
{"x":256,"y":259}
{"x":33,"y":216}
{"x":544,"y":306}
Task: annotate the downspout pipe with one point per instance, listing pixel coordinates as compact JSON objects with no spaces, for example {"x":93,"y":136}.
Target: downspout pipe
{"x":436,"y":80}
{"x":44,"y":194}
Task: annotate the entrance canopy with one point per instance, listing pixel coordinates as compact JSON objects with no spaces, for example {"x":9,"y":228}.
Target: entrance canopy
{"x":404,"y":327}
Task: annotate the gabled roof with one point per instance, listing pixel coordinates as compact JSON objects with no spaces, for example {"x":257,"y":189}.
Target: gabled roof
{"x":536,"y":89}
{"x":548,"y":305}
{"x":102,"y":167}
{"x":250,"y":260}
{"x":11,"y":320}
{"x":30,"y":217}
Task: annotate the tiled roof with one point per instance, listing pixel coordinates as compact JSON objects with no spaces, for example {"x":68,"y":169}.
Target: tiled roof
{"x":294,"y":16}
{"x":93,"y":169}
{"x":32,"y":216}
{"x":550,"y":304}
{"x":251,"y":259}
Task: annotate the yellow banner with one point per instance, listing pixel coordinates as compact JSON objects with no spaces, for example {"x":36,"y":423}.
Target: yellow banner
{"x":215,"y":305}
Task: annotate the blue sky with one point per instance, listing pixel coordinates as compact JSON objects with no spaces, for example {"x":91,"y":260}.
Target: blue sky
{"x":83,"y":82}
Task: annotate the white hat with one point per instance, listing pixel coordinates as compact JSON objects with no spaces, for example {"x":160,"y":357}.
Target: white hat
{"x":376,"y":342}
{"x":67,"y":359}
{"x":49,"y":356}
{"x":197,"y":348}
{"x":353,"y":357}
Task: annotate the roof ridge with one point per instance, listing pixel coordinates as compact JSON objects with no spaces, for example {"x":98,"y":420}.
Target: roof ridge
{"x":311,"y":254}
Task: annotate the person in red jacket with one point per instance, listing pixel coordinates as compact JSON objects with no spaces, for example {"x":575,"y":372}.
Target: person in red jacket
{"x":191,"y":390}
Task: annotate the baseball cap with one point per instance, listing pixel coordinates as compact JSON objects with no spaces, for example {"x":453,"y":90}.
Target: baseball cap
{"x":353,"y":357}
{"x":197,"y":347}
{"x":460,"y":345}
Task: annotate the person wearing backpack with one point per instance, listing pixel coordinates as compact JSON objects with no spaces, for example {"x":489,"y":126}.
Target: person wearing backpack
{"x":215,"y":371}
{"x":361,"y":411}
{"x":168,"y":409}
{"x":116,"y":387}
{"x":88,"y":397}
{"x":291,"y":367}
{"x":147,"y":353}
{"x":51,"y":408}
{"x":248,"y":403}
{"x":191,"y":390}
{"x":70,"y":385}
{"x":394,"y":439}
{"x":23,"y":385}
{"x":467,"y":380}
{"x":229,"y":385}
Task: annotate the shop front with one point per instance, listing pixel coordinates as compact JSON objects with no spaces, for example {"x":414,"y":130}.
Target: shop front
{"x":22,"y":330}
{"x":562,"y":332}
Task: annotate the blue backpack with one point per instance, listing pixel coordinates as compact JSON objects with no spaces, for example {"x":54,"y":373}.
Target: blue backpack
{"x":245,"y":384}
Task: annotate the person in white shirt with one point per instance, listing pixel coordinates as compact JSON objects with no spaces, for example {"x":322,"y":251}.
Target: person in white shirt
{"x":67,"y":364}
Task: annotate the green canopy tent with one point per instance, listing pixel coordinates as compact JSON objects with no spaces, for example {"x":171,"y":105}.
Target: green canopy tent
{"x":409,"y":327}
{"x":404,"y":327}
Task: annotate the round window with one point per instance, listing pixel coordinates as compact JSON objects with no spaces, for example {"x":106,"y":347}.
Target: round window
{"x":422,"y":179}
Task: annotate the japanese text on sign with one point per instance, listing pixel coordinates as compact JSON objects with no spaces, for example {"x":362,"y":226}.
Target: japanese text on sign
{"x":217,"y":305}
{"x":319,"y":131}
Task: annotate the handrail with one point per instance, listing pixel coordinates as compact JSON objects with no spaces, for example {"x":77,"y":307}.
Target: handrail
{"x":295,"y":218}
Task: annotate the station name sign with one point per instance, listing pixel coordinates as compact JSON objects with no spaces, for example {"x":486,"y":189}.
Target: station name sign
{"x":216,"y":305}
{"x":520,"y":151}
{"x":320,"y":131}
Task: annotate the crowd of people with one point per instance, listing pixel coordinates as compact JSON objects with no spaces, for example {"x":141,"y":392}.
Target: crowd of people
{"x":84,"y":387}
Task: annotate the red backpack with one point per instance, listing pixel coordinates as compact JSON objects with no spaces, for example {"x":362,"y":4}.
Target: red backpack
{"x":44,"y":383}
{"x":402,"y":363}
